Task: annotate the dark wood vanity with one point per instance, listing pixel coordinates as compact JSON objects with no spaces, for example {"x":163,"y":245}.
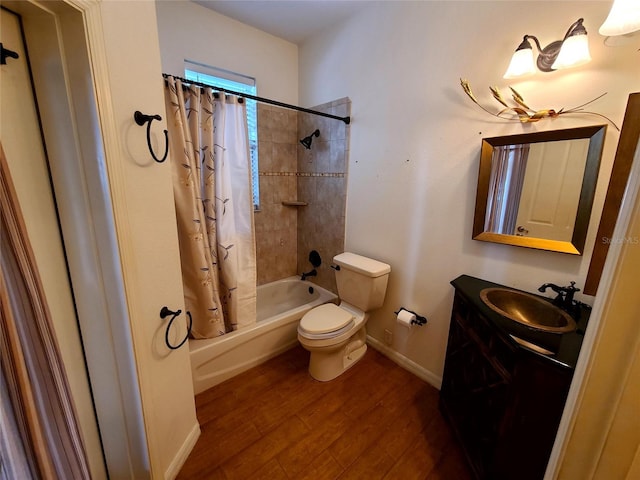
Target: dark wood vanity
{"x":504,"y":400}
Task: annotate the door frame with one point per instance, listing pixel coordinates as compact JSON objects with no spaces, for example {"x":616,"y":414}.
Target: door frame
{"x":79,"y":134}
{"x":598,"y":337}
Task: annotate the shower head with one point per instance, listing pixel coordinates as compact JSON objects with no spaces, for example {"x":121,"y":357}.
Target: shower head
{"x":306,"y":141}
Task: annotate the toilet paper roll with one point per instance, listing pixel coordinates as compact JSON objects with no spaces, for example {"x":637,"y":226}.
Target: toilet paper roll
{"x":405,"y":318}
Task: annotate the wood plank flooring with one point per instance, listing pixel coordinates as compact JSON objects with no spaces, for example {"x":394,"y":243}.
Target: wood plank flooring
{"x":376,"y":421}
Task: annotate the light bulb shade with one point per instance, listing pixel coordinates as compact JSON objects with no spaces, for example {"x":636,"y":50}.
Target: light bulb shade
{"x":521,"y":64}
{"x":623,"y":18}
{"x":574,"y":52}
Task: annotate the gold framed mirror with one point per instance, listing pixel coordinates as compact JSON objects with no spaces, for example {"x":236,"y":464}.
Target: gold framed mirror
{"x":536,"y":190}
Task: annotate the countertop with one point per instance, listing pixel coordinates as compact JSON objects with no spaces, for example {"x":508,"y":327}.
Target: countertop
{"x":566,"y":346}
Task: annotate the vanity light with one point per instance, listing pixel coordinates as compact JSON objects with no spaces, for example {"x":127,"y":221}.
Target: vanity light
{"x":575,"y":49}
{"x":623,"y":18}
{"x":522,"y":63}
{"x":571,"y":51}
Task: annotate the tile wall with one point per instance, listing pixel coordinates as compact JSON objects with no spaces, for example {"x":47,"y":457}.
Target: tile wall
{"x":288,"y":172}
{"x":322,"y":183}
{"x":276,"y":225}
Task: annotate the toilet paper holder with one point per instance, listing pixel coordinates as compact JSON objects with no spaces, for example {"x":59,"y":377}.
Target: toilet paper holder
{"x":419,"y":320}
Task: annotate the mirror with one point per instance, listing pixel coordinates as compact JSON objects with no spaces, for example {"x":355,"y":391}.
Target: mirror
{"x":536,"y":189}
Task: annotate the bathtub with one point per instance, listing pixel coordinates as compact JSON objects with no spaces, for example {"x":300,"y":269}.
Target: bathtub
{"x":280,"y":306}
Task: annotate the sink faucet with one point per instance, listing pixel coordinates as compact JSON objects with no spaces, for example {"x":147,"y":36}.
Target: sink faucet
{"x":312,"y":273}
{"x":564,"y":299}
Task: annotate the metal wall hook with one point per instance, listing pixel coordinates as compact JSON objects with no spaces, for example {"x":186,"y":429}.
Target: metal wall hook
{"x":140,"y":118}
{"x":164,"y":313}
{"x":5,"y":53}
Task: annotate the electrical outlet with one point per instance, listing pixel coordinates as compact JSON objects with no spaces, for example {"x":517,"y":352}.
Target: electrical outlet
{"x":388,"y":336}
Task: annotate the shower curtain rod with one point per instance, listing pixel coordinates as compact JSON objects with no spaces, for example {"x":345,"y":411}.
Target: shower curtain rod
{"x":346,"y":120}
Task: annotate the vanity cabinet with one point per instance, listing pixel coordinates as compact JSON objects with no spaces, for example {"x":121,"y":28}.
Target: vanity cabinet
{"x":504,"y":401}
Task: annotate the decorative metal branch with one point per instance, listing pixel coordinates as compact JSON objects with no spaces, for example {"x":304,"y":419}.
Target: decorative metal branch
{"x":522,"y":111}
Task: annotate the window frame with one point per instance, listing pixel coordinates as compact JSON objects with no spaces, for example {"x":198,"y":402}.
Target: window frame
{"x":219,"y":78}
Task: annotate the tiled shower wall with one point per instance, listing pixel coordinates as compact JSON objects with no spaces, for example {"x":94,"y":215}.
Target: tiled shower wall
{"x":276,"y":224}
{"x":322,"y":183}
{"x":288,"y":172}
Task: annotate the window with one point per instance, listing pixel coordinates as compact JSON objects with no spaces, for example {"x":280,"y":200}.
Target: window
{"x":217,"y":77}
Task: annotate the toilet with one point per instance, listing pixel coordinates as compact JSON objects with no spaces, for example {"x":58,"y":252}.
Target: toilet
{"x":335,"y":335}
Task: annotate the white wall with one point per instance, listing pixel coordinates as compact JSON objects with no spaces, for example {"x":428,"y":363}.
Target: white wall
{"x":188,"y":31}
{"x":127,"y":70}
{"x":415,"y":142}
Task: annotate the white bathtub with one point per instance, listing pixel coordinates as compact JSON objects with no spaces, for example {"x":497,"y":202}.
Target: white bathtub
{"x":280,"y":306}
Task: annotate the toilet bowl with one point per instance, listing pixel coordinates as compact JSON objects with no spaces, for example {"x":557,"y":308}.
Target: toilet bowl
{"x":335,"y":335}
{"x":337,"y":345}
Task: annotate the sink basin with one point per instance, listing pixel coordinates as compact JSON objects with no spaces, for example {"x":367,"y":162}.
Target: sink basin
{"x":527,"y":309}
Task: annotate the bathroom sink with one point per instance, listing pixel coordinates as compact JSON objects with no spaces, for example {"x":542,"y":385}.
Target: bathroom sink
{"x":527,"y":309}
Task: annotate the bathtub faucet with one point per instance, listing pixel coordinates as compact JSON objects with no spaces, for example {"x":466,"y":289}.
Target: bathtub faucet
{"x":312,"y":273}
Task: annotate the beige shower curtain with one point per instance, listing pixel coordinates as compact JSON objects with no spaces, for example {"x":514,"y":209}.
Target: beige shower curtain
{"x":214,"y":208}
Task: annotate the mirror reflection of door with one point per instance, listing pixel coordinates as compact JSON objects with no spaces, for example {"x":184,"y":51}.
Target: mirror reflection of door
{"x":550,"y":209}
{"x":551,"y":189}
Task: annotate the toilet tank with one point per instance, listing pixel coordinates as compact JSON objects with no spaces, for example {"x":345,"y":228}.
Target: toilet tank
{"x":362,"y":281}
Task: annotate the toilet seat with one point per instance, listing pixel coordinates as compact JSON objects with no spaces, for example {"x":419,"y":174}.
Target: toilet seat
{"x":325,"y":321}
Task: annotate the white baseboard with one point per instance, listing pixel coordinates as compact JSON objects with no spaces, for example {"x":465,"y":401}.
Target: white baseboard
{"x":184,"y":451}
{"x":406,"y":363}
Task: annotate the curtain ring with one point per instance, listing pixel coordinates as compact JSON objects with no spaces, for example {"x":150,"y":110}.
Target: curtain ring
{"x":141,"y":119}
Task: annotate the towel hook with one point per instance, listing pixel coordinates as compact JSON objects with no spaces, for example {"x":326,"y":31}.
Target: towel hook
{"x":141,"y":119}
{"x":6,"y":53}
{"x":164,"y":313}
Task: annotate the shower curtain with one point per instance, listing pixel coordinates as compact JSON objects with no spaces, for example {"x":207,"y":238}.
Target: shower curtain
{"x":214,"y":209}
{"x":508,"y":166}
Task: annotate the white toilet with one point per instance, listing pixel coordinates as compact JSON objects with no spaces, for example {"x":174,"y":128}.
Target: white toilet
{"x":336,"y":335}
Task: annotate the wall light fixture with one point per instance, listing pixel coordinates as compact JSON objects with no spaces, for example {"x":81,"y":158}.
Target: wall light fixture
{"x":571,"y":51}
{"x":624,"y":18}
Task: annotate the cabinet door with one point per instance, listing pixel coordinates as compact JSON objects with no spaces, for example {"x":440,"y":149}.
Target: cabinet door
{"x":474,"y":391}
{"x":539,"y":393}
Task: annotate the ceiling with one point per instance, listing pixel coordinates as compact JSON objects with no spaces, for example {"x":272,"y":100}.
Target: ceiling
{"x":292,"y":20}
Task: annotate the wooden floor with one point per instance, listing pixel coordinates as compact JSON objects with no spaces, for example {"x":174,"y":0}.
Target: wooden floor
{"x":376,"y":421}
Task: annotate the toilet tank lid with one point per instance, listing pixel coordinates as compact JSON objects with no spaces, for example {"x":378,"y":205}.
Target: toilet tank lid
{"x":360,"y":264}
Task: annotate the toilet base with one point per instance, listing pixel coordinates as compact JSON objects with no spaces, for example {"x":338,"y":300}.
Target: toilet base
{"x":328,"y":364}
